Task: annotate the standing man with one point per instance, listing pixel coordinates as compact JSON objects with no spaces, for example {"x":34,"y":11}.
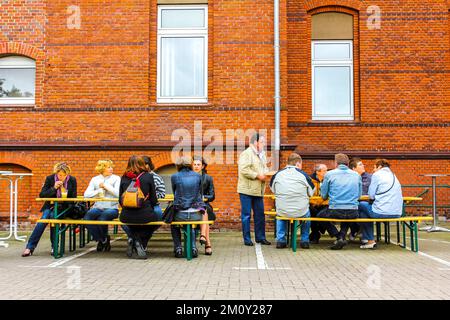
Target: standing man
{"x":251,"y":186}
{"x":292,"y":188}
{"x":317,"y":205}
{"x":343,"y":187}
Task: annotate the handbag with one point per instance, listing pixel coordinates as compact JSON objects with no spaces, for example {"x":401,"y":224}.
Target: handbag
{"x":78,"y":211}
{"x":168,"y":214}
{"x":133,"y":197}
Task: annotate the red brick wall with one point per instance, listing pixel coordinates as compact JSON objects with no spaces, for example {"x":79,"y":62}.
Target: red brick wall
{"x":97,"y":85}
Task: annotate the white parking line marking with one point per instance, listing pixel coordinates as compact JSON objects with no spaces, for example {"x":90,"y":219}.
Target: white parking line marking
{"x":262,"y":265}
{"x":68,"y":259}
{"x":438,"y":241}
{"x":426,"y":255}
{"x":260,"y":261}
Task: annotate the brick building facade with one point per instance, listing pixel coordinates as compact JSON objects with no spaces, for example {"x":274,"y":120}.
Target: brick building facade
{"x":95,"y":90}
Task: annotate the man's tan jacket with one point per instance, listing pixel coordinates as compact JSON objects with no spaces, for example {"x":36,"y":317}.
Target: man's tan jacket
{"x":250,"y":166}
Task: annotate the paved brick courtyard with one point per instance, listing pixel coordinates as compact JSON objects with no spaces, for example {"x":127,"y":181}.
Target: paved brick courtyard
{"x":233,"y":271}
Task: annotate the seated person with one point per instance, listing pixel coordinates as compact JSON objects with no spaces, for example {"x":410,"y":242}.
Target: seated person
{"x":105,"y":185}
{"x":58,"y":185}
{"x":357,"y":165}
{"x":343,"y":188}
{"x":386,"y":191}
{"x":317,"y":205}
{"x":292,"y":188}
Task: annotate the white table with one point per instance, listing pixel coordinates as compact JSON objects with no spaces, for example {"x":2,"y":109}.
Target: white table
{"x":434,"y":227}
{"x":13,"y":179}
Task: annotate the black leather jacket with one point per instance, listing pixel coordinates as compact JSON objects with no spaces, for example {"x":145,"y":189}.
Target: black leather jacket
{"x":208,"y":187}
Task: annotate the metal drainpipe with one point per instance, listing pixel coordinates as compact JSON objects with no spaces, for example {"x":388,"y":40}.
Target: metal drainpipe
{"x":276,"y":45}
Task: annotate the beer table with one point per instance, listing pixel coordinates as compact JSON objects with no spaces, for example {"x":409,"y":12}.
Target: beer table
{"x":13,"y":179}
{"x":434,"y":227}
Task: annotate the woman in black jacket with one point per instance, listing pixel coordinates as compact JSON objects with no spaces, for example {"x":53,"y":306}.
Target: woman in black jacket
{"x":58,"y":185}
{"x":137,"y":173}
{"x":199,"y":165}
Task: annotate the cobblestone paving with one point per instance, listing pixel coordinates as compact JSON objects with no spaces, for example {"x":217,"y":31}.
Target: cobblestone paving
{"x":233,"y":271}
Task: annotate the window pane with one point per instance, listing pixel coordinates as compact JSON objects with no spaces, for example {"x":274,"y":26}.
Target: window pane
{"x":332,"y":51}
{"x":17,"y":83}
{"x":182,"y":18}
{"x":182,"y":67}
{"x":332,"y":91}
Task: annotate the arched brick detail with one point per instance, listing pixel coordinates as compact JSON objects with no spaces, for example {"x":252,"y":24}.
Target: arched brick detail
{"x":21,"y":159}
{"x":161,"y":160}
{"x":314,"y":4}
{"x":18,"y":48}
{"x":356,"y":27}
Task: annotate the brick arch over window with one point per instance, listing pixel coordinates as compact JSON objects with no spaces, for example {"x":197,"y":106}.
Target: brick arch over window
{"x":315,"y":4}
{"x":20,"y":159}
{"x":162,"y":160}
{"x":22,"y":49}
{"x":320,"y":7}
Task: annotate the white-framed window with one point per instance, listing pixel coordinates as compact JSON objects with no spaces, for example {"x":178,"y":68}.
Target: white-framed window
{"x":182,"y":54}
{"x":332,"y":80}
{"x":17,"y":80}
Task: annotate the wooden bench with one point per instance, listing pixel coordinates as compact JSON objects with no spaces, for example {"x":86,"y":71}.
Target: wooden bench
{"x":61,"y":226}
{"x":407,"y":222}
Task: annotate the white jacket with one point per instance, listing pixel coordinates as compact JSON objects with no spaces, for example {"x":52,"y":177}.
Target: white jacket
{"x":112,"y":186}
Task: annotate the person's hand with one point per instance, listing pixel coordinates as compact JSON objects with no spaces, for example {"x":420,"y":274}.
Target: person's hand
{"x":261,"y":177}
{"x":58,"y":184}
{"x":102,"y":185}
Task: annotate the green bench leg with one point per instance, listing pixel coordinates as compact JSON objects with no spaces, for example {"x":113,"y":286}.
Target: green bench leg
{"x":378,"y":226}
{"x":387,"y":233}
{"x":416,"y":237}
{"x":398,"y":232}
{"x":116,"y":230}
{"x":188,"y":242}
{"x":294,"y":235}
{"x":411,"y":233}
{"x":404,"y":235}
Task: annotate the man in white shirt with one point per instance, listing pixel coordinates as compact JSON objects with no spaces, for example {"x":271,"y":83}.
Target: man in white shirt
{"x":292,"y":188}
{"x":386,"y":191}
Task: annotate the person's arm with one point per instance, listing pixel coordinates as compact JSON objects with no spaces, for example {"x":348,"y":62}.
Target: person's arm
{"x":48,"y":189}
{"x":152,"y":191}
{"x":360,"y":186}
{"x":325,"y":186}
{"x":245,"y":166}
{"x":211,"y":195}
{"x":373,"y":187}
{"x":160,"y":186}
{"x":90,"y":191}
{"x":114,"y":188}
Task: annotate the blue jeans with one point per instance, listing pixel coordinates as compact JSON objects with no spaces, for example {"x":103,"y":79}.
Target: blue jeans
{"x":257,"y":204}
{"x":144,"y":233}
{"x":39,"y":230}
{"x":305,"y":226}
{"x":99,"y":233}
{"x":365,"y":212}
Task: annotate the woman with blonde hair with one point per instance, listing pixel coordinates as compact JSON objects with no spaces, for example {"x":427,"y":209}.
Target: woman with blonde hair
{"x":58,"y":185}
{"x":105,"y":185}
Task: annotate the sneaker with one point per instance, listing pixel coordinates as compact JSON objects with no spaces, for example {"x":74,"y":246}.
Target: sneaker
{"x":352,"y":237}
{"x":339,"y":244}
{"x":107,"y":244}
{"x":194,"y":253}
{"x":99,"y":246}
{"x":364,"y":241}
{"x":304,"y":245}
{"x":178,"y":253}
{"x":371,"y":246}
{"x":130,"y":248}
{"x":281,"y":245}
